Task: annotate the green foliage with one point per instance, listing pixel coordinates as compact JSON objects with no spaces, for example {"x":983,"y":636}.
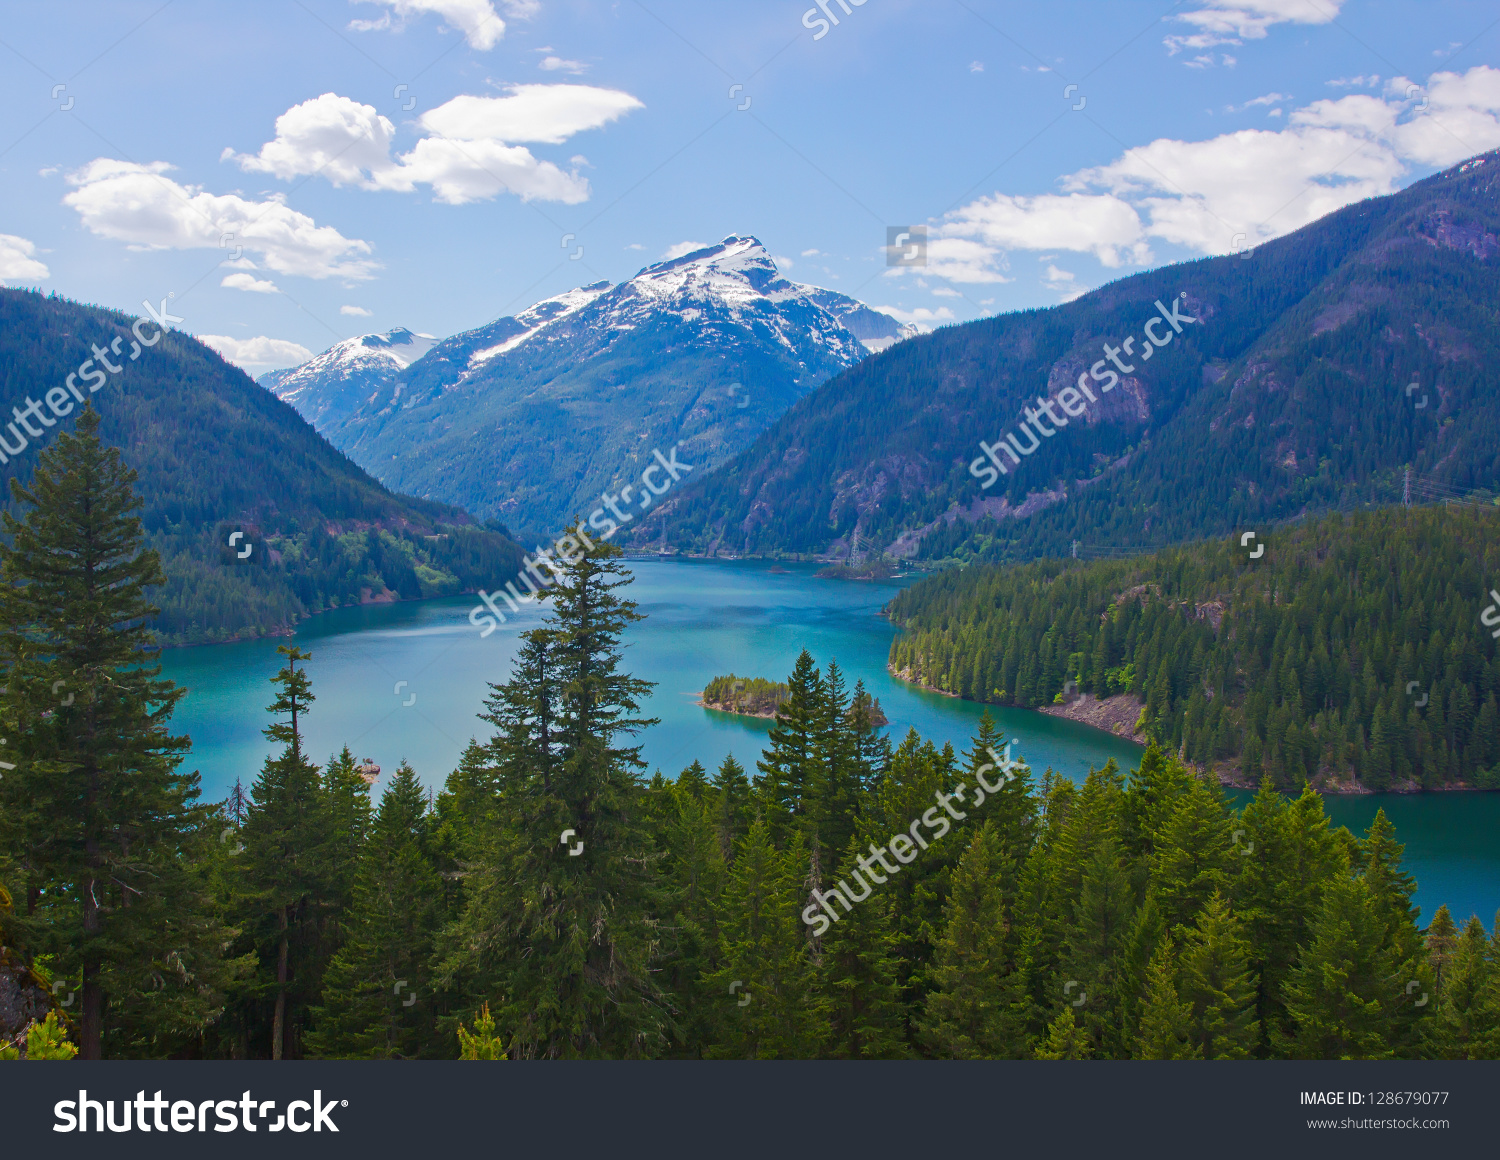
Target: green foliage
{"x":1352,"y":647}
{"x":106,"y":835}
{"x":482,"y":1042}
{"x":549,"y":903}
{"x":45,"y":1039}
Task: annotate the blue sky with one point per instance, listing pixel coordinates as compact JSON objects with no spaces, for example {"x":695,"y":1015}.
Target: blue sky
{"x":263,"y":165}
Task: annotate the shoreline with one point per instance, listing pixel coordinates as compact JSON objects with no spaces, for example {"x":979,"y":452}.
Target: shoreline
{"x":1227,"y":773}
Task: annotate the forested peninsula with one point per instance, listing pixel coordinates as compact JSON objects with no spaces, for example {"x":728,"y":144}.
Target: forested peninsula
{"x":1350,"y":652}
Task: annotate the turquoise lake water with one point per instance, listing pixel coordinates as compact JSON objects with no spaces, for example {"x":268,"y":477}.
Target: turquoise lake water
{"x":406,"y":681}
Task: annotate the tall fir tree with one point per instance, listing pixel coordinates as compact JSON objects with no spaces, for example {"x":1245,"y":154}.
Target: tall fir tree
{"x":1216,"y":984}
{"x":857,"y":975}
{"x":1341,"y":996}
{"x":733,"y":804}
{"x":559,"y":909}
{"x":107,"y":835}
{"x":377,"y":993}
{"x":972,"y":1006}
{"x":789,"y":764}
{"x":766,"y":983}
{"x":286,"y":865}
{"x":1165,"y":1030}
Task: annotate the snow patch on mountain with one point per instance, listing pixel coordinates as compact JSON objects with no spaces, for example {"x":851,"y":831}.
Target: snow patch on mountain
{"x":547,"y":311}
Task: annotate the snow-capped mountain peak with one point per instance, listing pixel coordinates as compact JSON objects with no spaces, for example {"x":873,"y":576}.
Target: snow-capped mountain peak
{"x":330,"y":385}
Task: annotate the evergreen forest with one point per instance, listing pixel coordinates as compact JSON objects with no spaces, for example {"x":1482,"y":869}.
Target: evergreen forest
{"x":850,"y":898}
{"x":1351,"y":649}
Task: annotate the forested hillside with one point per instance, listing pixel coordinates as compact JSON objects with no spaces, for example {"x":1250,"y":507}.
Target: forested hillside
{"x":1315,"y":369}
{"x":1352,"y":646}
{"x":851,"y":900}
{"x":215,"y":453}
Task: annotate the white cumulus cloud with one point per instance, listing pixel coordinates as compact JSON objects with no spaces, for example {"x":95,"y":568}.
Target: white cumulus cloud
{"x":680,"y":249}
{"x":471,"y":152}
{"x":1235,"y":190}
{"x":257,"y":354}
{"x":548,"y":114}
{"x":16,"y":261}
{"x":249,"y":282}
{"x":355,"y":311}
{"x":138,"y":205}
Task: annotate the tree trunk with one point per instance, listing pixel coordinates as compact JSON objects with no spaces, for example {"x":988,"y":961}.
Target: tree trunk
{"x":91,"y":1023}
{"x":278,"y":1028}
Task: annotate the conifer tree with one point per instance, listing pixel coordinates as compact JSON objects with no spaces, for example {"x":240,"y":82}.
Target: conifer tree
{"x":733,"y":805}
{"x":1465,"y":1025}
{"x":694,"y":870}
{"x":1442,"y":943}
{"x":107,"y":836}
{"x":857,"y":976}
{"x":1064,"y":1039}
{"x":377,"y":994}
{"x":765,"y":955}
{"x":557,"y":928}
{"x":483,"y":1042}
{"x":1165,"y":1028}
{"x":1216,"y":984}
{"x":1287,"y":856}
{"x":286,"y":864}
{"x":1011,"y":810}
{"x":1194,"y":853}
{"x":349,"y":818}
{"x":1341,"y":996}
{"x":789,"y":762}
{"x":693,"y":779}
{"x":971,"y":1008}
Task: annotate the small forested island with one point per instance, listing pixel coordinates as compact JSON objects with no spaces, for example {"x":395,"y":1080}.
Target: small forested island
{"x":757,"y":697}
{"x":747,"y":696}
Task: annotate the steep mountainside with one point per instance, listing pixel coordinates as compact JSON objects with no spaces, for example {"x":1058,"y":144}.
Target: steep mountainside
{"x":215,"y":453}
{"x":532,"y":418}
{"x":1314,"y":369}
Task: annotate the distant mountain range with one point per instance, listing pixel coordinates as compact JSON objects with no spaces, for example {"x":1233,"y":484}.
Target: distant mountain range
{"x":531,"y":418}
{"x":1313,"y":372}
{"x":216,"y":454}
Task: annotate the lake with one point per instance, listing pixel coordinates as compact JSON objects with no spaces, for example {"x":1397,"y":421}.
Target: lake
{"x":405,"y":681}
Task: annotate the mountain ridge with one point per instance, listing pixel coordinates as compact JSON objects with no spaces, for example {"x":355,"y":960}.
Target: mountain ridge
{"x":570,"y":397}
{"x":1289,"y":395}
{"x":216,"y":453}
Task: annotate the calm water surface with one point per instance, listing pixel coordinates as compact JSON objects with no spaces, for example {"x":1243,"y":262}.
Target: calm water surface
{"x":406,"y":681}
